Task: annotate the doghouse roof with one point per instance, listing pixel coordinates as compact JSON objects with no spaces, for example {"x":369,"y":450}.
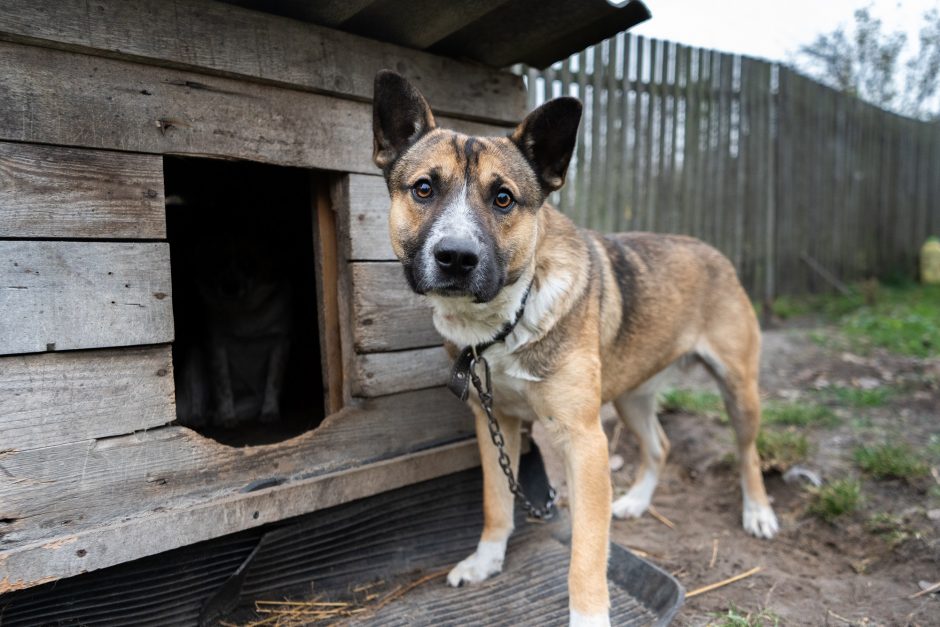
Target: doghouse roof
{"x":494,"y":32}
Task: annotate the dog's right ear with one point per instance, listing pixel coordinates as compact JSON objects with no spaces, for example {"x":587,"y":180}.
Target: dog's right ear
{"x":400,"y":116}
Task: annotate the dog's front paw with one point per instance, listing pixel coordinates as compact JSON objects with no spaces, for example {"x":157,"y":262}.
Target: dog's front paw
{"x":485,"y":561}
{"x":760,"y":520}
{"x":577,"y":619}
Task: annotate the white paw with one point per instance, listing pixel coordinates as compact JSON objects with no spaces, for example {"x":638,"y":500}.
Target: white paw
{"x":485,"y":561}
{"x":637,"y":499}
{"x":589,"y":620}
{"x":630,"y":506}
{"x":760,"y":520}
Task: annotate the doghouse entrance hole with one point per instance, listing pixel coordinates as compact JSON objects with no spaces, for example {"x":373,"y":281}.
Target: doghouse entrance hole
{"x":247,"y":354}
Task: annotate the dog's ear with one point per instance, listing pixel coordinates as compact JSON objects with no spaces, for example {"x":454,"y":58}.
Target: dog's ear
{"x":547,"y":136}
{"x":400,"y":116}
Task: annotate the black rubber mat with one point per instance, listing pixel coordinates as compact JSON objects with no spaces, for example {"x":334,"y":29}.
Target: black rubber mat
{"x":531,"y":591}
{"x":392,"y":537}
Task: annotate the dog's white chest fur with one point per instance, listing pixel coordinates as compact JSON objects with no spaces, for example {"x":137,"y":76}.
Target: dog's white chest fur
{"x":510,"y":383}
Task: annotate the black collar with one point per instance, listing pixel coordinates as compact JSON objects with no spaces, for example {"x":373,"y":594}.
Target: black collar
{"x":459,"y":382}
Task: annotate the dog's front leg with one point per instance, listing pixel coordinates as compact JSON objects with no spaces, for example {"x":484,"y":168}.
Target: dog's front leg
{"x":497,"y":502}
{"x":573,"y":419}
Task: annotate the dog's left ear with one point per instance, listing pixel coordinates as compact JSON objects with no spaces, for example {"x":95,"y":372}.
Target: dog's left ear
{"x":547,"y":137}
{"x":400,"y":116}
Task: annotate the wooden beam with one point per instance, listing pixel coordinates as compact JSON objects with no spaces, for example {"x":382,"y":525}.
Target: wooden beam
{"x":54,"y":97}
{"x":70,"y":295}
{"x":385,"y":373}
{"x":69,"y":554}
{"x":325,"y":252}
{"x":60,"y":398}
{"x":387,"y":315}
{"x":73,"y":488}
{"x":231,"y":41}
{"x":49,"y":191}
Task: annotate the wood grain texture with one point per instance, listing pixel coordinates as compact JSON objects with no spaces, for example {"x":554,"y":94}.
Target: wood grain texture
{"x":70,"y":295}
{"x":199,"y":34}
{"x":66,"y":553}
{"x":49,"y":191}
{"x":56,"y":97}
{"x":363,"y":212}
{"x":386,"y":373}
{"x":387,"y":315}
{"x":327,"y":261}
{"x":72,"y":488}
{"x":339,"y":199}
{"x":58,"y":398}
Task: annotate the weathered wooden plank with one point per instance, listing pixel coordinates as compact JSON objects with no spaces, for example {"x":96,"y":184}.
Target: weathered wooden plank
{"x":55,"y":97}
{"x":49,"y":191}
{"x":648,"y":209}
{"x":69,"y":295}
{"x":58,"y":398}
{"x":204,"y":35}
{"x":72,"y":488}
{"x":327,"y":262}
{"x":363,"y":213}
{"x":387,"y":314}
{"x":71,"y":552}
{"x":386,"y":373}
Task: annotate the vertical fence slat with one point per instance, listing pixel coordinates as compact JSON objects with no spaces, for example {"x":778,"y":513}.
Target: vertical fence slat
{"x":635,"y":207}
{"x":626,"y":165}
{"x":579,"y":209}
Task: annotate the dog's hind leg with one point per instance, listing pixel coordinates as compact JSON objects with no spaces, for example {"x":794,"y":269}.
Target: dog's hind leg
{"x":637,"y":409}
{"x":732,"y":358}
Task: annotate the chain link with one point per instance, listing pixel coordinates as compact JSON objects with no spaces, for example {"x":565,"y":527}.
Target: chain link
{"x":486,"y":400}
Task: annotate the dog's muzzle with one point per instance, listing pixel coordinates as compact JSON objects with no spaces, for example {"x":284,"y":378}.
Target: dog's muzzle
{"x":456,"y":266}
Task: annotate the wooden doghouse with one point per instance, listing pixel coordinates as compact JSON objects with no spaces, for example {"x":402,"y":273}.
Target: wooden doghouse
{"x":106,"y":106}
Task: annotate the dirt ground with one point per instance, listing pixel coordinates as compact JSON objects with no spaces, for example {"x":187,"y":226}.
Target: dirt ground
{"x":813,"y":572}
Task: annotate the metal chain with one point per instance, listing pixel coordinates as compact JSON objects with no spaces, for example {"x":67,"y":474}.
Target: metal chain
{"x":486,"y":400}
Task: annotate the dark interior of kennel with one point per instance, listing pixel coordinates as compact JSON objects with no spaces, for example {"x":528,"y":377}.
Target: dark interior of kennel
{"x":242,"y":260}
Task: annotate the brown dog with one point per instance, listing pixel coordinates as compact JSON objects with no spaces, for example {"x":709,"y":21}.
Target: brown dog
{"x":603,"y":316}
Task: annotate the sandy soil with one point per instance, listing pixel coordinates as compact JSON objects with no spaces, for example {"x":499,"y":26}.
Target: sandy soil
{"x":813,"y":572}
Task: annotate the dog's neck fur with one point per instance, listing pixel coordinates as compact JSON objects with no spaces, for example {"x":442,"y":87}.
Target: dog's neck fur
{"x":464,"y":322}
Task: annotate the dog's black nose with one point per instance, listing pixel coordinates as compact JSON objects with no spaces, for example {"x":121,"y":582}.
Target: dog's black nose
{"x":456,"y":257}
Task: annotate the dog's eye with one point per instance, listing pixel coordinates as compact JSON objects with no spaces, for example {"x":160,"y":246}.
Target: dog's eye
{"x":504,"y":200}
{"x":422,"y":189}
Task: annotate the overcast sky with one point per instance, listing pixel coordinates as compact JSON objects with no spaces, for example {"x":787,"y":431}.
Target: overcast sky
{"x":770,"y":29}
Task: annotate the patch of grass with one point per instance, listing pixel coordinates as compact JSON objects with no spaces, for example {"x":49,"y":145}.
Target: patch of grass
{"x":933,"y":446}
{"x":692,"y":401}
{"x":799,"y":414}
{"x":736,"y":617}
{"x":779,"y":450}
{"x":836,"y":499}
{"x":828,"y":305}
{"x":856,"y":397}
{"x":888,"y":527}
{"x":905,"y":318}
{"x":891,"y":461}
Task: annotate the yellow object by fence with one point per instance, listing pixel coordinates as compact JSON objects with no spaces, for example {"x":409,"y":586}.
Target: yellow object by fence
{"x":930,"y":262}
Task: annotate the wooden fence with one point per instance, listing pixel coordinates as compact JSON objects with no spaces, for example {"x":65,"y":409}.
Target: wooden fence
{"x":767,"y":165}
